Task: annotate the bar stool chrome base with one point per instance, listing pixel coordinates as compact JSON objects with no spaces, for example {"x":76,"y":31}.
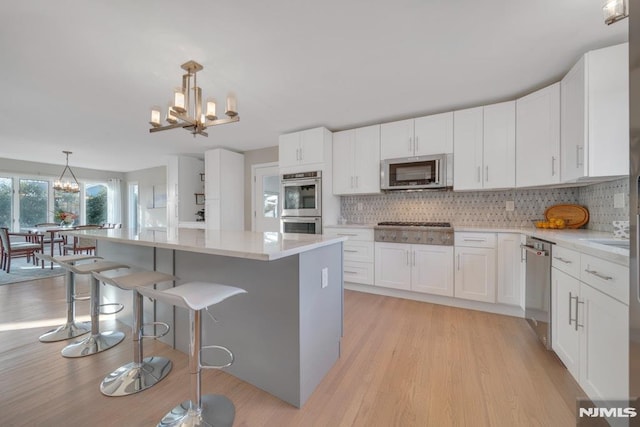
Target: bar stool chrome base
{"x":134,"y":377}
{"x":66,"y":331}
{"x":216,"y":411}
{"x":93,"y":344}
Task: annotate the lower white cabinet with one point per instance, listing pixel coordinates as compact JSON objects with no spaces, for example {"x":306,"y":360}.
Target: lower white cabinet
{"x":510,"y":265}
{"x":590,"y":329}
{"x":357,"y":253}
{"x":419,"y":268}
{"x":475,"y":275}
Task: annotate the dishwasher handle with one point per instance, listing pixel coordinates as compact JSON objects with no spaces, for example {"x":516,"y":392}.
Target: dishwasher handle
{"x":534,"y":251}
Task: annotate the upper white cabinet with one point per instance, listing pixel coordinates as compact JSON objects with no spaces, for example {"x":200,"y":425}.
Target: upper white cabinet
{"x":224,"y":189}
{"x":485,"y":147}
{"x":538,"y":138}
{"x":307,"y":147}
{"x":595,"y":115}
{"x":356,"y":161}
{"x":417,"y":137}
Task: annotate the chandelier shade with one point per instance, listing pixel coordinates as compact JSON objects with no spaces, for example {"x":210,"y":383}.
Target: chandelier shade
{"x":614,"y":11}
{"x":186,"y":110}
{"x":65,"y":184}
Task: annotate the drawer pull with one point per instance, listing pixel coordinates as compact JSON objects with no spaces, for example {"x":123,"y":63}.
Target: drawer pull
{"x":474,"y":240}
{"x":595,"y":273}
{"x":566,"y":261}
{"x":350,"y":272}
{"x":349,"y":250}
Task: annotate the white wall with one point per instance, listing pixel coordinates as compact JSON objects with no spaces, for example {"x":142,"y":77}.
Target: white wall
{"x":149,"y":181}
{"x":254,"y":157}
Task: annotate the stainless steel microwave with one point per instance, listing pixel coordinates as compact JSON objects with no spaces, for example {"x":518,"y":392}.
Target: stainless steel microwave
{"x":414,"y":173}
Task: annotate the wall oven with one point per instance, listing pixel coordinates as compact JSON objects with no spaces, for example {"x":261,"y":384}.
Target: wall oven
{"x":301,"y":203}
{"x":304,"y":225}
{"x":302,"y":194}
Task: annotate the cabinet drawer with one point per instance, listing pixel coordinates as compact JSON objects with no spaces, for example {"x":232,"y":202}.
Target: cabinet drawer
{"x":609,"y":278}
{"x":363,"y":234}
{"x":355,"y":250}
{"x":566,"y":260}
{"x":358,"y":272}
{"x":476,"y":240}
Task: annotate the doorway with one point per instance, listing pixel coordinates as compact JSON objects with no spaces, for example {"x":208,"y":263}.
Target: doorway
{"x":265,"y":203}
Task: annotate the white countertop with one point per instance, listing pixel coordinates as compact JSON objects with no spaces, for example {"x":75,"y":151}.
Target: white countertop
{"x":237,"y":244}
{"x":578,"y":240}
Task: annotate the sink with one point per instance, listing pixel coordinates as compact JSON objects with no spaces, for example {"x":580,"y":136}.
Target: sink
{"x":618,"y":243}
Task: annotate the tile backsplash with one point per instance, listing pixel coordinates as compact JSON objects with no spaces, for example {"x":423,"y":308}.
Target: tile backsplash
{"x":487,"y":208}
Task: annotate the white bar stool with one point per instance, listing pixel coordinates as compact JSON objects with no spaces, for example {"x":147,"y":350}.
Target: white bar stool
{"x":71,"y":328}
{"x":215,"y":410}
{"x":97,"y":341}
{"x":142,"y":373}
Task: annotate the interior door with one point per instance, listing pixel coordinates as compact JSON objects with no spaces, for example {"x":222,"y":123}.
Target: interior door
{"x":266,"y":199}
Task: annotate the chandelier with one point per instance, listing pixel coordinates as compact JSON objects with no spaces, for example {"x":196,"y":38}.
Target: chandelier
{"x":65,"y":184}
{"x":186,"y":109}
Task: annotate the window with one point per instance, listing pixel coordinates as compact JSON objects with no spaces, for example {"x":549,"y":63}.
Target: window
{"x":66,"y":202}
{"x":34,"y":202}
{"x":6,"y":202}
{"x":96,"y":203}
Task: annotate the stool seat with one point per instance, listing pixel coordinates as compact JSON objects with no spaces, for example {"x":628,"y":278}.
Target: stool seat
{"x":98,"y":341}
{"x":199,"y":410}
{"x":193,"y":295}
{"x":71,"y":328}
{"x":142,"y":373}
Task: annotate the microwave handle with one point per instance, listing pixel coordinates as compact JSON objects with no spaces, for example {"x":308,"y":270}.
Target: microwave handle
{"x":437,"y":172}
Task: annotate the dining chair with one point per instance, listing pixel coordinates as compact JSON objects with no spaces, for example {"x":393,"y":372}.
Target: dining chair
{"x":82,"y":244}
{"x":11,"y":249}
{"x":53,"y":239}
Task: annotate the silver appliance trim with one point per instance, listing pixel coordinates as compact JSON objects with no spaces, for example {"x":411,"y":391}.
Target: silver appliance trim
{"x":299,"y":179}
{"x":444,"y":175}
{"x":317,"y":221}
{"x":537,"y":304}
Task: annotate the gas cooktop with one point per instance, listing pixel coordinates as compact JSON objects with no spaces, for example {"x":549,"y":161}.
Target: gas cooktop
{"x":415,"y":224}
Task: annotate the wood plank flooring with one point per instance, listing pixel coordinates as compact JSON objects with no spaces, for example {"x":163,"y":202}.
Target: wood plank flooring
{"x":404,"y":363}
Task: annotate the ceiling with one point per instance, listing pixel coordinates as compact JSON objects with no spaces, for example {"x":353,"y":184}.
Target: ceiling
{"x":82,"y":76}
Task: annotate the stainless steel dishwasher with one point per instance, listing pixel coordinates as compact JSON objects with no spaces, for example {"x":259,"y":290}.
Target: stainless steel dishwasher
{"x":537,"y":303}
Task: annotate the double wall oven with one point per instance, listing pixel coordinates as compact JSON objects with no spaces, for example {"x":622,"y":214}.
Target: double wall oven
{"x":301,"y":203}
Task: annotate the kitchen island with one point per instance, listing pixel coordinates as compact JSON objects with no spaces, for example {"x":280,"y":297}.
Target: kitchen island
{"x":285,"y":332}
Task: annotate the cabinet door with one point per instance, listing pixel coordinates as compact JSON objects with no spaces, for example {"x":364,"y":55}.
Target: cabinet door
{"x":565,"y":339}
{"x":604,"y":345}
{"x":392,"y":265}
{"x":343,"y":162}
{"x":499,"y":146}
{"x":432,"y":269}
{"x":367,"y":160}
{"x":434,"y":134}
{"x":574,"y":126}
{"x":289,"y":150}
{"x":311,"y":146}
{"x":467,"y":147}
{"x":538,"y":137}
{"x":396,"y":139}
{"x":475,"y":274}
{"x":510,"y":283}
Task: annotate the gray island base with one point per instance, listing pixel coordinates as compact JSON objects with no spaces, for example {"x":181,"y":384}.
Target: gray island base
{"x":285,"y":332}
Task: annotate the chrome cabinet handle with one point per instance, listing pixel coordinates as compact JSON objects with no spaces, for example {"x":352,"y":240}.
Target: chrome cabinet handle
{"x":350,"y":250}
{"x":351,"y":182}
{"x":566,"y":261}
{"x":347,"y":234}
{"x":473,"y":240}
{"x":578,"y":164}
{"x":597,"y":274}
{"x":570,"y":299}
{"x":350,"y":272}
{"x":357,"y":183}
{"x":553,"y":166}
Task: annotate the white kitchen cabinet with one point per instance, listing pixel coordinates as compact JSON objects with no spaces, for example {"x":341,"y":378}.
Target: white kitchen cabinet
{"x":307,"y":147}
{"x":224,"y":189}
{"x":564,"y":337}
{"x":392,"y":266}
{"x":510,"y":267}
{"x":356,"y":161}
{"x":358,"y":253}
{"x":475,"y":266}
{"x":419,"y":268}
{"x":538,"y":138}
{"x":590,"y":324}
{"x":595,"y":115}
{"x":484,"y":147}
{"x":417,"y":137}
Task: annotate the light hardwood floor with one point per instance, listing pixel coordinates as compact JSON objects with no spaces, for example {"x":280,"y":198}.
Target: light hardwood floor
{"x":403,"y":363}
